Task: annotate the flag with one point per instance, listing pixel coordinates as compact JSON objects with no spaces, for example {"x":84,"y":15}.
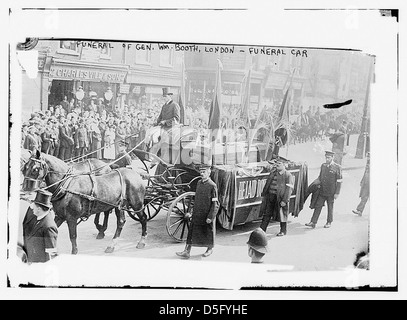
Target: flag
{"x":216,"y":105}
{"x":284,"y":114}
{"x":181,"y":97}
{"x":281,"y":133}
{"x":246,"y":99}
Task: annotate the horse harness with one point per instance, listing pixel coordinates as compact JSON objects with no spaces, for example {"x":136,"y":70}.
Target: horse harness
{"x":92,"y":199}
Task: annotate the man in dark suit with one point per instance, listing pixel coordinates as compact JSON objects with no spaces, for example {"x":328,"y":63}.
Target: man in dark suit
{"x":168,"y":120}
{"x":66,"y":140}
{"x":276,"y":197}
{"x":330,"y":181}
{"x":39,"y":229}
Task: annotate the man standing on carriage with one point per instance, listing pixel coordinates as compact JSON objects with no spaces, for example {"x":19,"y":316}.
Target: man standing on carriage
{"x":202,"y":230}
{"x":168,"y":119}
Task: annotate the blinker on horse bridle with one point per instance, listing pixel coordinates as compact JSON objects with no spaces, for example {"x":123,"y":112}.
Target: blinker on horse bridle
{"x":32,"y":183}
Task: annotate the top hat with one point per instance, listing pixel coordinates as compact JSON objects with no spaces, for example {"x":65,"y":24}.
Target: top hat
{"x":329,"y":153}
{"x":166,"y":91}
{"x":43,"y":198}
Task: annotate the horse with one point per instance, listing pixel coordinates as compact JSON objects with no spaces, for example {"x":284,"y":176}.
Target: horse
{"x":88,"y":166}
{"x":79,"y":196}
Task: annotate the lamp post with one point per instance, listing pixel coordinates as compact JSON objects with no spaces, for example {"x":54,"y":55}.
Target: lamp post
{"x":79,"y":95}
{"x":360,"y":148}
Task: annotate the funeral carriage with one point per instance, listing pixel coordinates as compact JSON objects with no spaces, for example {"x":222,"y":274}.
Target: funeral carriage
{"x":239,"y":168}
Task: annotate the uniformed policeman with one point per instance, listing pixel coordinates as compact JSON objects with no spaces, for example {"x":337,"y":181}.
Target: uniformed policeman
{"x":330,"y":181}
{"x":257,"y":245}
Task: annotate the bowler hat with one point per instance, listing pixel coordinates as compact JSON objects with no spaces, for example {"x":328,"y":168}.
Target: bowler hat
{"x":166,"y":91}
{"x":43,"y":198}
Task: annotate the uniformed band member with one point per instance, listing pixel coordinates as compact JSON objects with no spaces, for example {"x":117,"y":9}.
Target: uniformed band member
{"x":276,"y":197}
{"x":257,"y":245}
{"x":364,"y":188}
{"x":123,"y":158}
{"x":330,"y":181}
{"x":39,"y":229}
{"x":202,"y":230}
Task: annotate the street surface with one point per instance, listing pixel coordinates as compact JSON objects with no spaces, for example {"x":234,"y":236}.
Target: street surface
{"x":303,"y":248}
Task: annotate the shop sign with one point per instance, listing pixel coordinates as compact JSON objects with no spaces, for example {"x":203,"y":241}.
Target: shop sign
{"x":86,"y":74}
{"x":136,"y":89}
{"x":124,"y":88}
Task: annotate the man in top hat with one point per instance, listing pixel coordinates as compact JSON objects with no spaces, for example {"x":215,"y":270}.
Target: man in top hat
{"x":39,"y":229}
{"x":276,"y":197}
{"x":257,"y":245}
{"x":202,"y":230}
{"x":168,"y":119}
{"x":170,"y":111}
{"x":330,"y":181}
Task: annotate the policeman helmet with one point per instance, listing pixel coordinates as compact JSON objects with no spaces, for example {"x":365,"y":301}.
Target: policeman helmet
{"x":258,"y":241}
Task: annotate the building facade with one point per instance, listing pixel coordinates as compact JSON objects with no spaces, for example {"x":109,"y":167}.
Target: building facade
{"x":117,"y":72}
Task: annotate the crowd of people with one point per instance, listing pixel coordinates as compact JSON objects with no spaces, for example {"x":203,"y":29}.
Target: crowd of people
{"x":312,"y":126}
{"x":93,"y":131}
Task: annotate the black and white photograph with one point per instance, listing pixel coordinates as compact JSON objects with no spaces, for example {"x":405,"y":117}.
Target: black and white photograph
{"x":203,"y":149}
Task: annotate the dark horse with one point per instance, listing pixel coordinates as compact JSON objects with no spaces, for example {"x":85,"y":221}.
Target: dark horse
{"x":77,"y":196}
{"x":89,"y":166}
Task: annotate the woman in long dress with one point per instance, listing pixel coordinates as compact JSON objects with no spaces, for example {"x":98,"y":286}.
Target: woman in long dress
{"x":110,"y":150}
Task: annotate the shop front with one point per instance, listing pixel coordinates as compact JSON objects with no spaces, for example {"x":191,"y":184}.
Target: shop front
{"x":66,"y":78}
{"x":145,"y":87}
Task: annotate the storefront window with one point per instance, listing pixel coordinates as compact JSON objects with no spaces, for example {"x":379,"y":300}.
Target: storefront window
{"x":105,"y":52}
{"x":143,"y":57}
{"x":68,"y":47}
{"x":167,"y":57}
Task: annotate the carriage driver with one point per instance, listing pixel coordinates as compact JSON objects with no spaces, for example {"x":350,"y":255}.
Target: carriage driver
{"x":168,"y":119}
{"x":203,"y":220}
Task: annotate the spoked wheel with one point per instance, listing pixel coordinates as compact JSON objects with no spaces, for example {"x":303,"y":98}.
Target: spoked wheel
{"x":179,"y":215}
{"x":151,"y":209}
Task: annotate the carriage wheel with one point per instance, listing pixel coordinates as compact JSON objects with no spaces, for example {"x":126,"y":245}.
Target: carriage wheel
{"x":151,"y":209}
{"x":178,"y":216}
